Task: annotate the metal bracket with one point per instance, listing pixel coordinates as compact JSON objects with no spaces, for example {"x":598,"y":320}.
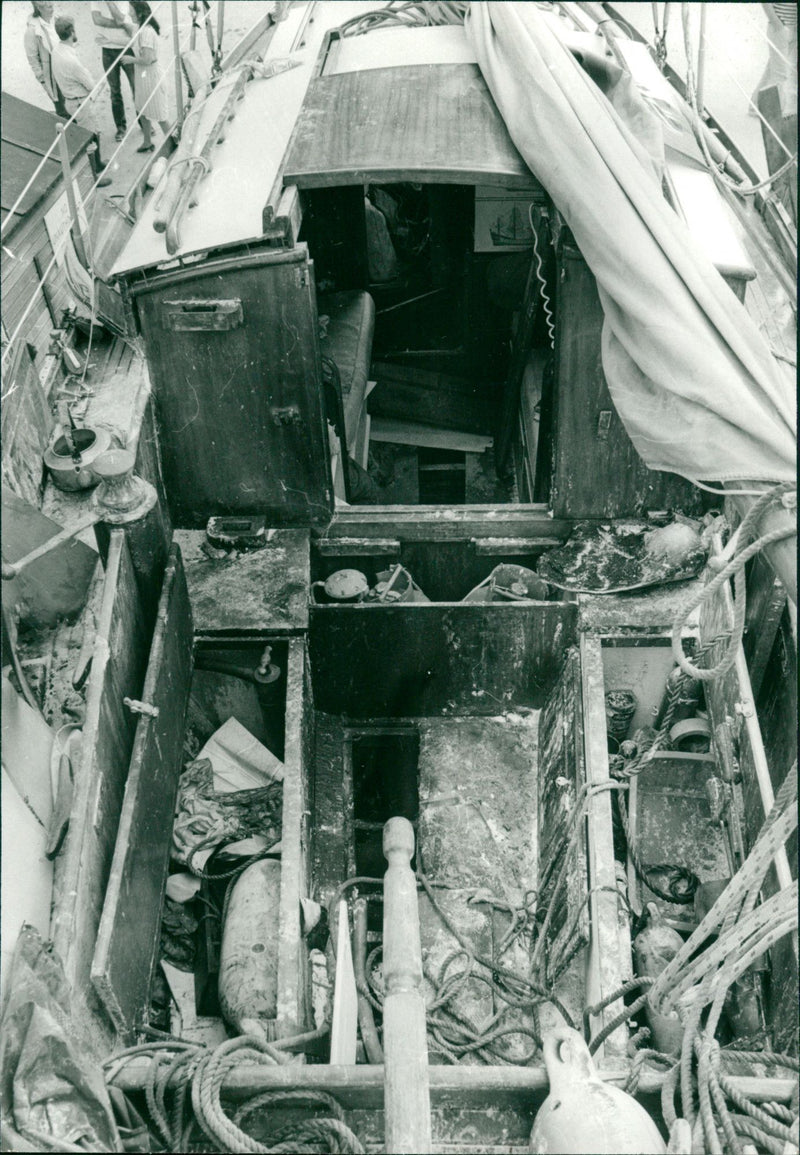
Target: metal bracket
{"x":603,"y":424}
{"x":285,"y":415}
{"x":145,"y":708}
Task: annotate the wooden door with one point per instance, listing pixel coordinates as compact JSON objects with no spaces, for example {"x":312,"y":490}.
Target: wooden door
{"x":128,"y":939}
{"x":596,"y":469}
{"x":233,"y":350}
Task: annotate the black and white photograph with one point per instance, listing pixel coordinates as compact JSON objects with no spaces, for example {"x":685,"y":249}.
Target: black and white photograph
{"x":399,"y":577}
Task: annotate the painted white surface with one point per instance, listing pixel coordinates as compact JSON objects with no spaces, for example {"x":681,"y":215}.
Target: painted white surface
{"x":400,"y":47}
{"x":244,"y":167}
{"x":27,"y":876}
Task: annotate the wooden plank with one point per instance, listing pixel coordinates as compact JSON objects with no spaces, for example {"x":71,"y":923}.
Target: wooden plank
{"x":240,"y":418}
{"x":293,"y":1008}
{"x":732,"y":696}
{"x":439,"y":523}
{"x":597,"y":472}
{"x":128,"y":939}
{"x":561,"y":779}
{"x":399,"y":432}
{"x":766,"y":599}
{"x":416,"y":659}
{"x":26,"y":425}
{"x":344,"y":1024}
{"x":265,"y":590}
{"x":82,"y":870}
{"x":608,"y":966}
{"x":437,"y":399}
{"x":389,"y":124}
{"x":362,"y":1086}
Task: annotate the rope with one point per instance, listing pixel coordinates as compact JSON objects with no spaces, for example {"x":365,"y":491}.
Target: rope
{"x":768,"y":1058}
{"x":745,"y":1126}
{"x":203,"y":1078}
{"x":407,"y":15}
{"x":721,"y":1106}
{"x":623,"y":1017}
{"x":626,"y":988}
{"x":683,"y":897}
{"x":699,"y":127}
{"x":735,"y":568}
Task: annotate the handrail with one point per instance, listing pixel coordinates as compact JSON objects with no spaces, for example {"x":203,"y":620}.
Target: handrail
{"x":48,"y":155}
{"x":59,"y":250}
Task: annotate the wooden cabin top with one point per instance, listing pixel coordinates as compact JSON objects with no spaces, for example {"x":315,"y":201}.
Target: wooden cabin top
{"x":349,"y":111}
{"x":28,"y":133}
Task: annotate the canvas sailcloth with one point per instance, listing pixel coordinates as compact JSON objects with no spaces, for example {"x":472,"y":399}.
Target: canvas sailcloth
{"x":694,"y":382}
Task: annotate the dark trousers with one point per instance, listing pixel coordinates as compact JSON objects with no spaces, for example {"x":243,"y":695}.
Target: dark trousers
{"x":114,"y":60}
{"x":59,"y":103}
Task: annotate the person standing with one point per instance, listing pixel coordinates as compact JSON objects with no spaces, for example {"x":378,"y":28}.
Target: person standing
{"x":40,"y":40}
{"x":115,"y":27}
{"x":76,"y":83}
{"x":151,"y":98}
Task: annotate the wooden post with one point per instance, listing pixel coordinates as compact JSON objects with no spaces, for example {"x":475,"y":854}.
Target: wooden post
{"x":407,"y":1102}
{"x":701,"y":58}
{"x":193,"y":34}
{"x":176,"y":48}
{"x":220,"y":30}
{"x":75,"y":229}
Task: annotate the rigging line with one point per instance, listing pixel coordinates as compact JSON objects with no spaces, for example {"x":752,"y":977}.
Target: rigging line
{"x":699,"y":128}
{"x":62,"y":247}
{"x":765,"y":35}
{"x":731,"y":75}
{"x":57,"y":252}
{"x":48,"y":155}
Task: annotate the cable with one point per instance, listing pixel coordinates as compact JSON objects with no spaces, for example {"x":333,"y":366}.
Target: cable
{"x":548,"y":314}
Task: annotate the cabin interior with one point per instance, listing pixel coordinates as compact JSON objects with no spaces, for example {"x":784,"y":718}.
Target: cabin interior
{"x":364,"y":435}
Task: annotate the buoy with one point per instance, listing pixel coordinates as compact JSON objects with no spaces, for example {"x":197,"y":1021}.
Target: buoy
{"x":582,"y":1115}
{"x":248,"y":964}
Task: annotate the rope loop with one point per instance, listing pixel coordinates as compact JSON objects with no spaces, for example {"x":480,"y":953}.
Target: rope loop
{"x":735,"y":568}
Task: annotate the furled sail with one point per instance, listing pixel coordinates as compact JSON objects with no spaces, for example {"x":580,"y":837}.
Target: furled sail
{"x":693,"y":380}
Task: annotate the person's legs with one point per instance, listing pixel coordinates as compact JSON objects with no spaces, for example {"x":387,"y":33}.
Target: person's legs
{"x":147,"y":129}
{"x":111,"y":60}
{"x":61,"y":108}
{"x":130,"y":72}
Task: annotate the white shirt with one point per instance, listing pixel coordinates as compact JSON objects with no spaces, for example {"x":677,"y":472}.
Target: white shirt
{"x":72,"y":77}
{"x":113,"y":37}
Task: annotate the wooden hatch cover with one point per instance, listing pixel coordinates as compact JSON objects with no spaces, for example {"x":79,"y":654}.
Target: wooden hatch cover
{"x":417,"y":122}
